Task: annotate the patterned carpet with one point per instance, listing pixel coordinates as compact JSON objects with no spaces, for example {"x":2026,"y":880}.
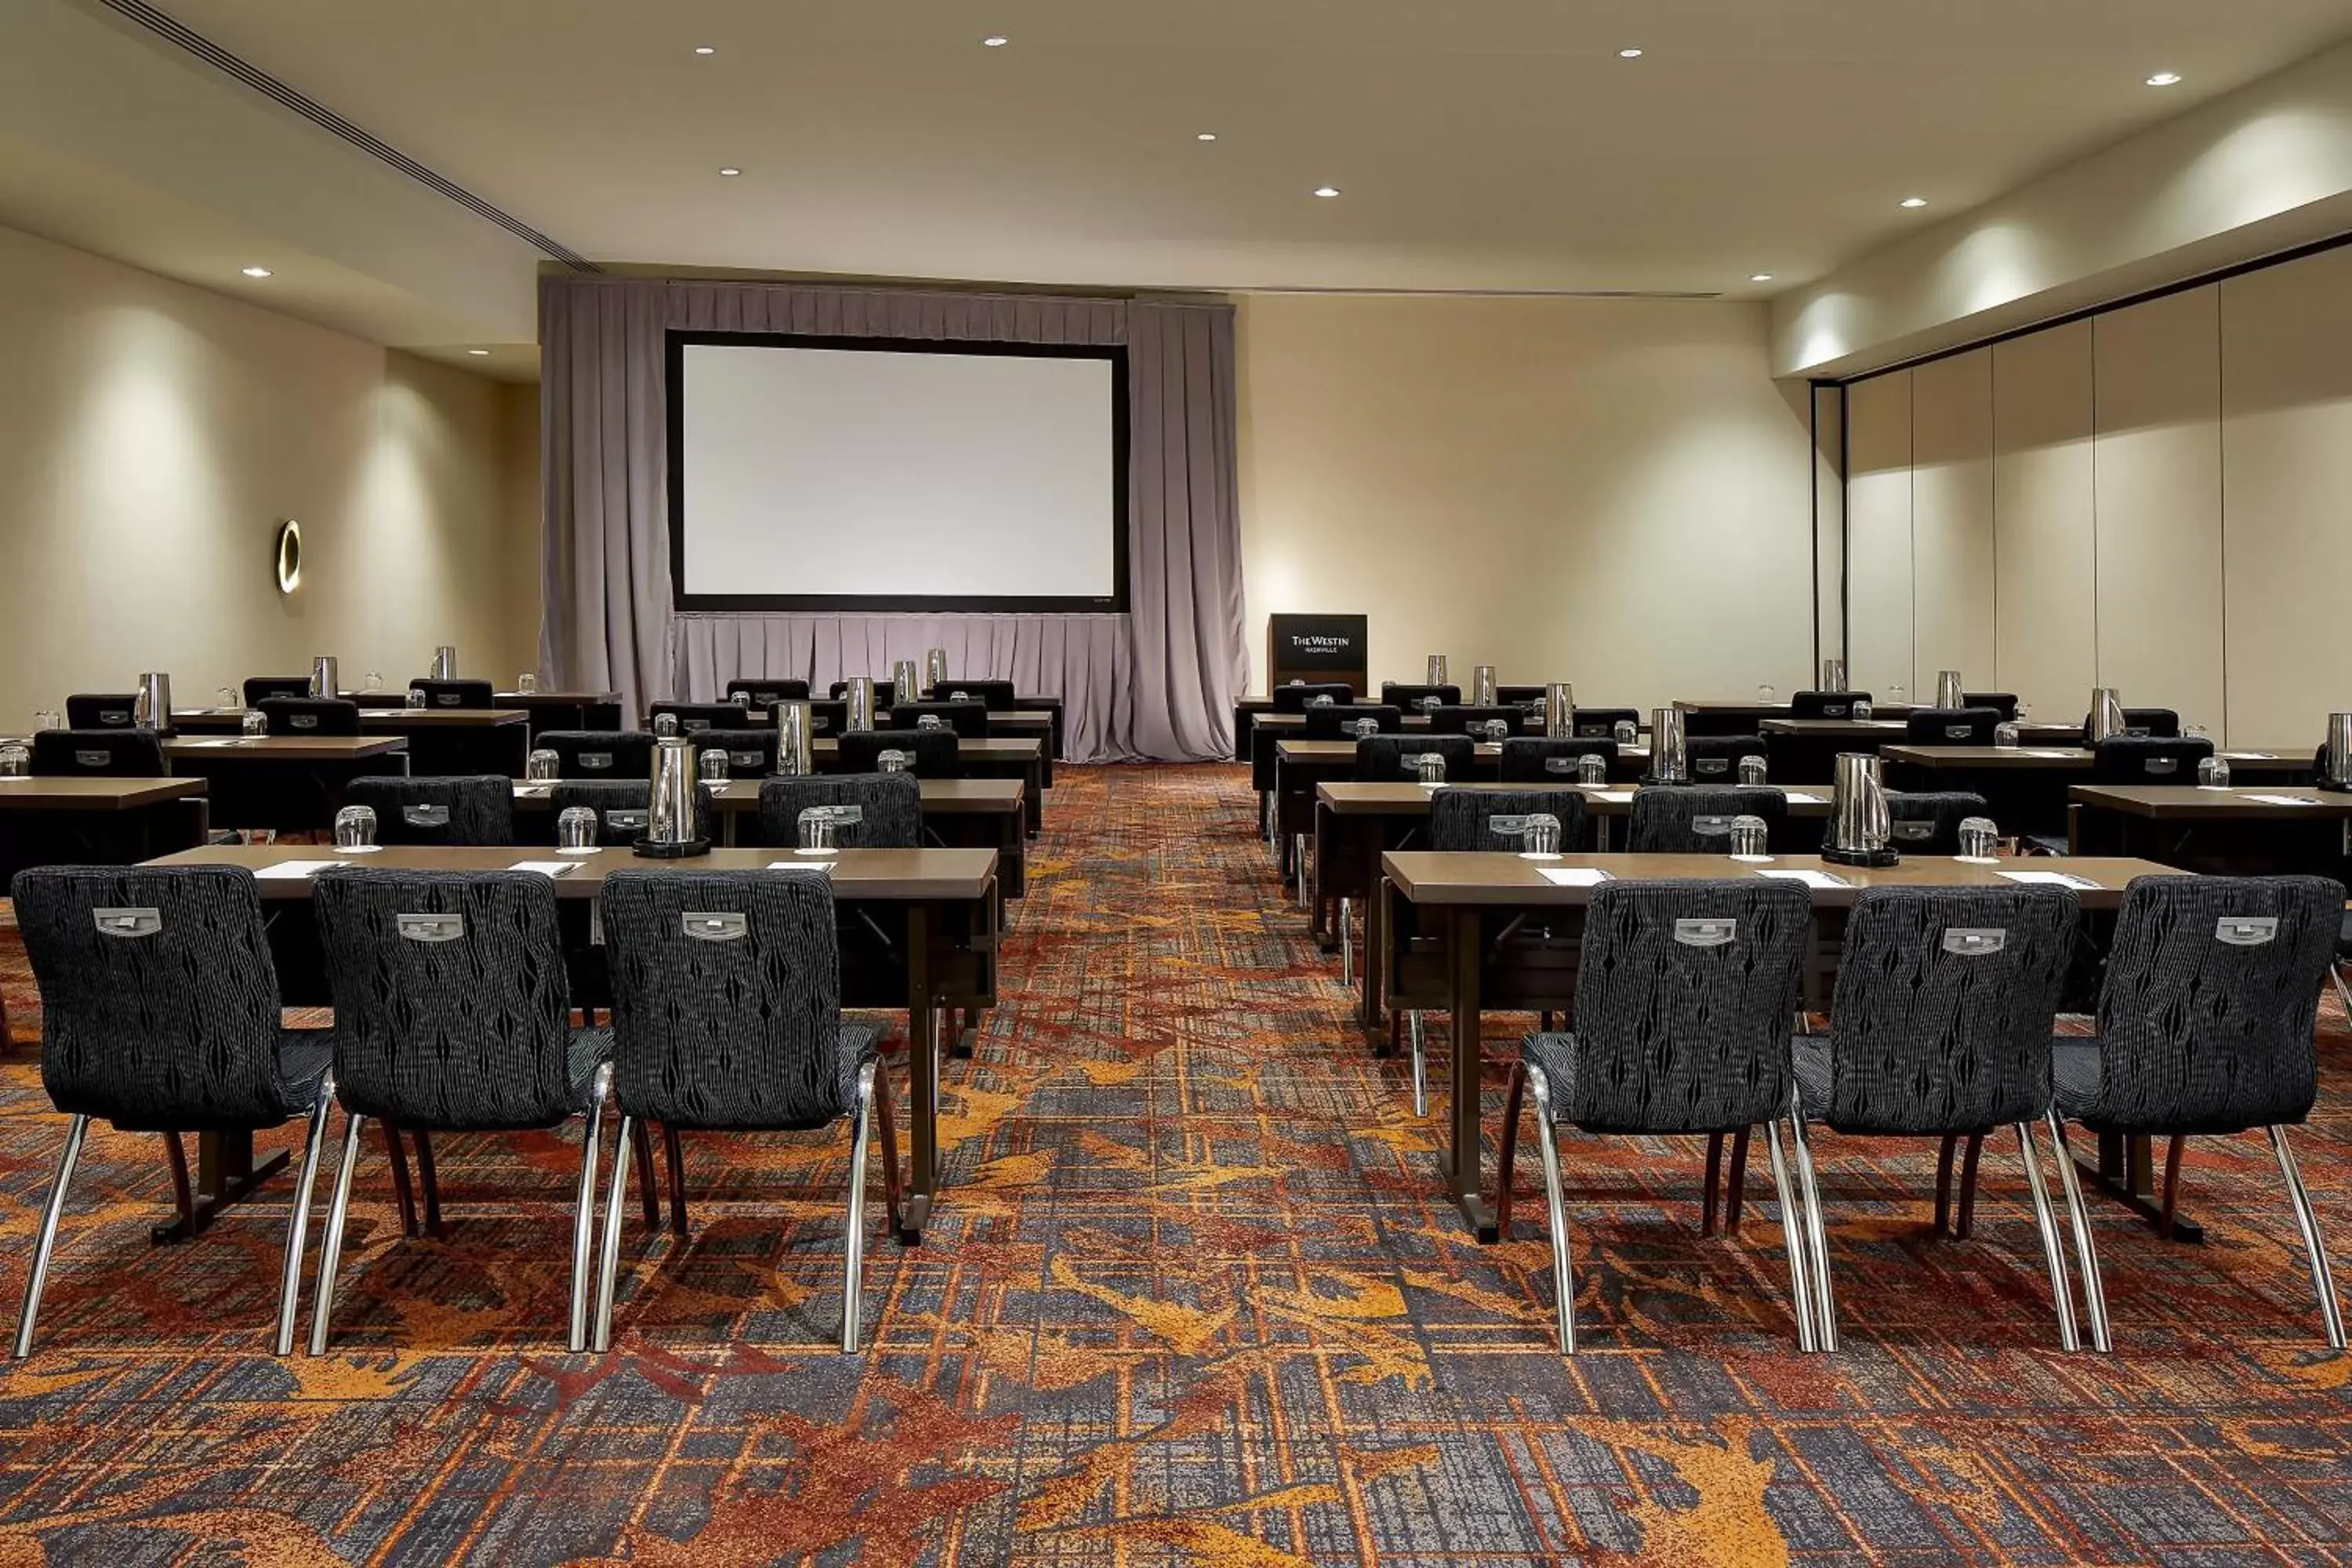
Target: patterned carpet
{"x":1191,"y":1298}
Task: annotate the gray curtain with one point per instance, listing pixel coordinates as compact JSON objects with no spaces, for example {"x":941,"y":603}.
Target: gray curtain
{"x":1158,"y":682}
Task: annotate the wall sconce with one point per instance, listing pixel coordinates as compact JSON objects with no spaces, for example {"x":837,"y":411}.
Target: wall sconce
{"x":289,"y":556}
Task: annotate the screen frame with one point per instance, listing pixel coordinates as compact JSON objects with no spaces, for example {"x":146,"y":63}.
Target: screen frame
{"x":678,"y":341}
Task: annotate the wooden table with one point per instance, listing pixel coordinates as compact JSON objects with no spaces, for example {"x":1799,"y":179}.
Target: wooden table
{"x":50,"y":821}
{"x":1461,"y":900}
{"x":564,"y":710}
{"x":1051,"y":707}
{"x":1022,"y":759}
{"x":1748,"y":718}
{"x":2026,"y":786}
{"x":1810,"y":748}
{"x":247,"y":771}
{"x":947,"y":899}
{"x":442,"y":741}
{"x":2243,"y":830}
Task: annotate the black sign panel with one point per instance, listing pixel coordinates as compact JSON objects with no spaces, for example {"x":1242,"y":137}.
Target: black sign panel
{"x":1317,"y":647}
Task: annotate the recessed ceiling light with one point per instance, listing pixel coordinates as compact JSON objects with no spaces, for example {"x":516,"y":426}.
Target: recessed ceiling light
{"x":1911,"y":201}
{"x":480,"y":353}
{"x":731,"y":171}
{"x":704,"y":50}
{"x":1759,"y":278}
{"x":1629,"y":54}
{"x":2164,"y":78}
{"x":1206,"y":136}
{"x":993,"y":41}
{"x":256,"y":271}
{"x":1327,"y":192}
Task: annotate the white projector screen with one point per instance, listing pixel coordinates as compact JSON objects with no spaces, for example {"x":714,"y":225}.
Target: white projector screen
{"x":879,"y":474}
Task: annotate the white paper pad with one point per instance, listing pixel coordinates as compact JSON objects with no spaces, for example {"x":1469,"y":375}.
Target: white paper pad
{"x":1807,"y":799}
{"x":2053,"y":756}
{"x":236,"y":741}
{"x":1809,"y":879}
{"x":291,"y":870}
{"x":2277,"y":799}
{"x":1621,"y":796}
{"x":544,"y":868}
{"x":536,"y":789}
{"x":821,"y":867}
{"x":1573,"y":876}
{"x":2051,"y":878}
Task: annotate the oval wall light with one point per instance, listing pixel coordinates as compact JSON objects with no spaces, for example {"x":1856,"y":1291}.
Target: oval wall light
{"x":289,"y":556}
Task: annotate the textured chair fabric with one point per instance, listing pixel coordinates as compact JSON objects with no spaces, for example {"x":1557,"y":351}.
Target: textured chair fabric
{"x":1941,"y":1020}
{"x":459,"y":1023}
{"x":2205,"y":1016}
{"x":1951,"y":726}
{"x":1522,"y":697}
{"x":170,"y":1023}
{"x":2002,"y":702}
{"x":884,"y":692}
{"x":1530,"y":760}
{"x":1689,"y":819}
{"x":623,"y":806}
{"x":693,"y":717}
{"x":2158,"y":723}
{"x":1413,"y":699}
{"x":310,"y":717}
{"x":605,"y":755}
{"x":101,"y":709}
{"x":1460,"y":718}
{"x":969,"y":719}
{"x":1824,"y":704}
{"x":1928,"y":822}
{"x":1495,"y":819}
{"x":938,"y":754}
{"x":1715,"y":759}
{"x":1299,"y":698}
{"x":729,"y":1022}
{"x":1388,"y":759}
{"x":765,"y":693}
{"x":750,"y":754}
{"x":996,"y":696}
{"x":891,"y":808}
{"x":1601,"y":723}
{"x":475,"y":810}
{"x":260,"y":688}
{"x":443,"y":694}
{"x":2148,"y":760}
{"x":1337,"y":720}
{"x":1683,"y":999}
{"x":98,"y":755}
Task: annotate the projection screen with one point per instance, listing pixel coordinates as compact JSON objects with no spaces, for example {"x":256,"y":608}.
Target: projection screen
{"x":877,"y":474}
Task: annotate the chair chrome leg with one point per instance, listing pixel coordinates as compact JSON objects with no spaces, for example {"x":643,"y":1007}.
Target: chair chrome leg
{"x":297,"y":1223}
{"x":1299,"y":867}
{"x":2343,"y":993}
{"x":331,"y":1250}
{"x":1817,"y":1230}
{"x":2323,"y":1281}
{"x":583,"y":1212}
{"x":45,"y":1243}
{"x":610,"y":1262}
{"x":861,"y":1129}
{"x":2086,"y":1250}
{"x":1563,"y":1269}
{"x":2053,"y":1253}
{"x":1793,"y":1233}
{"x":1346,"y":946}
{"x":1420,"y":1064}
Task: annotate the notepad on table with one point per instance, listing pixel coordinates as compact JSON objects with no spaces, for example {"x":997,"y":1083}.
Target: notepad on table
{"x":1809,"y":879}
{"x":1620,"y":796}
{"x":1798,"y":795}
{"x":2276,"y":799}
{"x":544,"y":868}
{"x":291,"y":870}
{"x":1573,"y":876}
{"x":821,"y":867}
{"x":2051,"y":879}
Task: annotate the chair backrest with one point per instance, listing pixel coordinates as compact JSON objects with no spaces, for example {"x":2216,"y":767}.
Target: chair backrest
{"x":885,"y":694}
{"x":2163,"y":723}
{"x":1696,"y":819}
{"x":1944,"y":1003}
{"x":1497,"y":819}
{"x":765,"y":693}
{"x":1601,"y":723}
{"x":1951,"y":726}
{"x":1337,"y":720}
{"x":937,"y":754}
{"x":2205,"y":1016}
{"x":308,"y":717}
{"x":1461,"y":719}
{"x":1521,"y":697}
{"x":996,"y":696}
{"x":2002,"y":702}
{"x":750,"y":754}
{"x":1715,"y":759}
{"x":693,"y":717}
{"x":1824,"y":704}
{"x":1530,"y":760}
{"x":1412,"y":699}
{"x":1299,"y":698}
{"x":968,"y":719}
{"x":1928,"y":822}
{"x":459,"y":811}
{"x":260,"y":688}
{"x":726,"y":999}
{"x":98,"y":755}
{"x":890,"y":808}
{"x":440,"y":694}
{"x":1683,"y":993}
{"x":159,"y":1000}
{"x":600,"y":753}
{"x":2148,"y":760}
{"x":1386,"y":759}
{"x":100,"y":709}
{"x":452,"y":1006}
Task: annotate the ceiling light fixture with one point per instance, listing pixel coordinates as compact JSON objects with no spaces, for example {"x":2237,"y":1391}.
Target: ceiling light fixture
{"x":1759,"y":278}
{"x":995,"y":41}
{"x":256,"y":271}
{"x":1629,"y":54}
{"x":704,"y":50}
{"x":1911,"y":201}
{"x":2164,"y":78}
{"x":480,"y":353}
{"x":1206,"y":136}
{"x":731,"y":171}
{"x":1327,"y":192}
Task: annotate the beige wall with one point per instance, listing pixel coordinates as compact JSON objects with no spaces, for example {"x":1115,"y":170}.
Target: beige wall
{"x":152,"y":435}
{"x":2170,"y":508}
{"x":1614,"y":493}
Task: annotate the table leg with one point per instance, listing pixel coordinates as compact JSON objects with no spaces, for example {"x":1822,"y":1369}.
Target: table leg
{"x":1033,"y":796}
{"x":2127,"y":1176}
{"x":1463,"y":956}
{"x":1375,"y":901}
{"x":225,"y":1175}
{"x":923,"y":1078}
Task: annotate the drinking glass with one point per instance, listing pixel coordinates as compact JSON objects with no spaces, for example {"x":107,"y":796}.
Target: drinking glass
{"x":415,"y":698}
{"x":47,"y":719}
{"x":1861,"y":709}
{"x":1751,"y":770}
{"x":1591,"y":768}
{"x":15,"y":762}
{"x":355,"y":829}
{"x":542,"y":765}
{"x":1978,"y":836}
{"x":575,"y":830}
{"x":373,"y":682}
{"x":1542,"y":836}
{"x":1747,"y":838}
{"x":255,"y":722}
{"x":526,"y":683}
{"x":2213,"y":772}
{"x":2005,"y":735}
{"x":665,"y":723}
{"x":1430,"y":768}
{"x":711,"y":765}
{"x":224,"y":698}
{"x":894,"y":761}
{"x":1498,"y":731}
{"x":1625,"y":732}
{"x":1765,"y":694}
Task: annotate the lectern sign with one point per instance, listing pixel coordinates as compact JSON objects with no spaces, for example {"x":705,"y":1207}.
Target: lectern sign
{"x":1317,"y":649}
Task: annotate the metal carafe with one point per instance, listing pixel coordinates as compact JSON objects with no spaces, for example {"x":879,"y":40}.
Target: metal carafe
{"x":153,"y":707}
{"x":1862,"y":831}
{"x":2335,"y":762}
{"x":861,"y":702}
{"x":1834,"y":675}
{"x":903,"y":687}
{"x":2106,"y":714}
{"x":935,"y":670}
{"x":445,"y":663}
{"x":1482,"y":685}
{"x":1948,"y":689}
{"x":326,"y":681}
{"x":1560,"y":711}
{"x":1669,"y":747}
{"x":673,"y":822}
{"x":1437,"y":669}
{"x":795,"y":738}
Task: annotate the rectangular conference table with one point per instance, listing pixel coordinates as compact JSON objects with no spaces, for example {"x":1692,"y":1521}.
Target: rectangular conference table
{"x":442,"y":741}
{"x":2242,"y":830}
{"x":564,"y":710}
{"x":1748,"y":718}
{"x":946,"y":898}
{"x":48,"y":821}
{"x":2026,"y":786}
{"x":1461,"y":902}
{"x":247,"y":772}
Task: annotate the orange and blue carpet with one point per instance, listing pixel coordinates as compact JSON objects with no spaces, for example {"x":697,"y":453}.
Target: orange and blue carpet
{"x":1193,"y":1296}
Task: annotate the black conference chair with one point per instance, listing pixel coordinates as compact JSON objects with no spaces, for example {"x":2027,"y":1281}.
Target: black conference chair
{"x":750,"y":754}
{"x":1940,"y":1028}
{"x":1299,"y":695}
{"x":694,"y":718}
{"x":2162,"y":723}
{"x":996,"y":696}
{"x":452,"y":1015}
{"x":1416,"y":699}
{"x":968,"y":719}
{"x":828,"y":719}
{"x":1928,"y":822}
{"x":160,"y":1013}
{"x":890,"y":807}
{"x":1824,"y":704}
{"x":1715,"y":759}
{"x":1339,"y":721}
{"x":727,"y":1017}
{"x":2002,"y":702}
{"x":1390,"y":759}
{"x":2147,"y":760}
{"x":600,"y":754}
{"x":1682,"y":1001}
{"x":449,"y":811}
{"x":884,"y":692}
{"x":1951,"y":726}
{"x":1524,"y":698}
{"x":933,"y":754}
{"x":767,"y":693}
{"x":1530,"y":760}
{"x":310,"y":718}
{"x":100,"y":711}
{"x":445,"y":694}
{"x":98,"y":755}
{"x":2205,"y":1022}
{"x":1459,"y":719}
{"x":1696,"y":819}
{"x":260,"y":688}
{"x":1601,"y":723}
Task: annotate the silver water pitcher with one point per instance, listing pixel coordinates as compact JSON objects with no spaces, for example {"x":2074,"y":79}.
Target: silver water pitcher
{"x":2106,"y":714}
{"x":935,"y":670}
{"x":326,"y":680}
{"x":1669,"y":747}
{"x":152,"y":708}
{"x":795,"y":738}
{"x":1834,"y":675}
{"x":1482,"y":685}
{"x":1437,"y":669}
{"x":1862,"y":830}
{"x":2335,"y":762}
{"x":445,"y":663}
{"x":861,"y":702}
{"x":355,"y":829}
{"x":1948,"y":689}
{"x":904,"y":682}
{"x":710,"y":765}
{"x":674,"y":821}
{"x":1751,"y":770}
{"x":542,"y":766}
{"x":1560,"y":711}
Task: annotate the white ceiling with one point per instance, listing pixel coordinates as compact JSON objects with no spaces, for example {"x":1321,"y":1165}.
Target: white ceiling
{"x":1484,"y":145}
